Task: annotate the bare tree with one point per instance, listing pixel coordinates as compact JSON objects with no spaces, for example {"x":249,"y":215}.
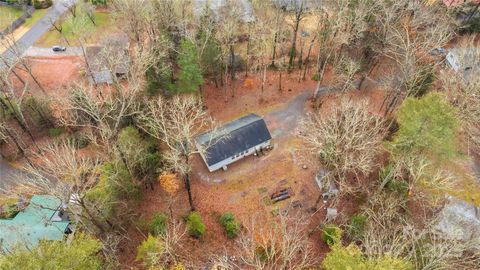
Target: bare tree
{"x":15,"y":60}
{"x":390,"y":232}
{"x":176,"y":122}
{"x":66,"y":174}
{"x":463,"y":91}
{"x":260,"y":39}
{"x":346,"y":139}
{"x":280,"y":244}
{"x":227,"y":35}
{"x":299,"y":13}
{"x":408,"y":38}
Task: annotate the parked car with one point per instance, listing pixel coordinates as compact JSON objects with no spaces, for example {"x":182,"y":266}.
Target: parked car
{"x":59,"y":48}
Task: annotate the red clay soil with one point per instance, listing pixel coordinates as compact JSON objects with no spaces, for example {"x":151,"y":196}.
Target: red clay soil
{"x":52,"y":73}
{"x":243,"y":188}
{"x":244,"y":95}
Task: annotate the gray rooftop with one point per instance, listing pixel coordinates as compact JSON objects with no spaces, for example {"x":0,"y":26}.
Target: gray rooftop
{"x":233,"y":138}
{"x":216,"y":6}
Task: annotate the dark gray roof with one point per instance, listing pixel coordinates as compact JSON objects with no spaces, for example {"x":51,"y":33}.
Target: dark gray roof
{"x":233,"y":138}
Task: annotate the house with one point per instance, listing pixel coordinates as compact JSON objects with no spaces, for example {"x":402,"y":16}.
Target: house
{"x":294,"y":4}
{"x":459,"y":220}
{"x":466,"y":60}
{"x":42,"y":219}
{"x":216,"y":6}
{"x":109,"y":59}
{"x":235,"y":140}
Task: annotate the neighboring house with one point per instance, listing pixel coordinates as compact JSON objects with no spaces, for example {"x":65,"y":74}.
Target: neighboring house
{"x":466,"y":60}
{"x":294,"y":4}
{"x":459,"y":220}
{"x":453,"y":3}
{"x":233,"y":141}
{"x":43,"y":219}
{"x":109,"y":59}
{"x":216,"y":6}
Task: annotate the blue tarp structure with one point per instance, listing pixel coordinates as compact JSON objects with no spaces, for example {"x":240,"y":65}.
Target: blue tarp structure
{"x":39,"y":221}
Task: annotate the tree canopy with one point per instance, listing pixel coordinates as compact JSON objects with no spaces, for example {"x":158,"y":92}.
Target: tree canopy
{"x":427,"y":126}
{"x":190,"y":77}
{"x":80,"y":254}
{"x":350,"y":257}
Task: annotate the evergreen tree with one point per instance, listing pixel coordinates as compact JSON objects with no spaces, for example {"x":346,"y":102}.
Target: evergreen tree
{"x":190,"y":77}
{"x":427,"y":126}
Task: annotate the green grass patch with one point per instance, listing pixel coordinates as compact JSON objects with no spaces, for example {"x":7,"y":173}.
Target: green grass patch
{"x":36,"y":16}
{"x":96,"y":32}
{"x":8,"y":15}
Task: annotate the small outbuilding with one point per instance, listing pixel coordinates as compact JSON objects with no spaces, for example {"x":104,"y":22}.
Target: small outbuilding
{"x":465,"y":60}
{"x":235,"y":140}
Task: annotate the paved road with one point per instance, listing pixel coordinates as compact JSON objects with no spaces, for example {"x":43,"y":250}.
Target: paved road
{"x":40,"y":28}
{"x":48,"y":52}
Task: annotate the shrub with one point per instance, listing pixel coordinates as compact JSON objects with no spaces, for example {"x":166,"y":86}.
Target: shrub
{"x":149,"y":251}
{"x":331,"y":234}
{"x":9,"y":211}
{"x":398,"y":186}
{"x":356,"y":227}
{"x":55,"y":132}
{"x":158,"y":224}
{"x":231,"y":225}
{"x":315,"y":77}
{"x":194,"y":225}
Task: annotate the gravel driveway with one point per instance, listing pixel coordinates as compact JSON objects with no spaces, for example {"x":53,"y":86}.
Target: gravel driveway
{"x":283,"y":121}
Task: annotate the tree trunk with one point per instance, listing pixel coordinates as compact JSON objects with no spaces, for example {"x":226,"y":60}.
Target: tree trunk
{"x":91,"y":217}
{"x":232,"y":63}
{"x":300,"y":57}
{"x":307,"y":59}
{"x":264,"y":78}
{"x":280,"y":81}
{"x":274,"y":54}
{"x":187,"y":186}
{"x":298,"y":17}
{"x":9,"y":134}
{"x":20,"y":122}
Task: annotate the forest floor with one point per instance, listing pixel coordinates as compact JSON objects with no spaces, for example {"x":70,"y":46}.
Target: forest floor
{"x":244,"y":188}
{"x":53,"y":73}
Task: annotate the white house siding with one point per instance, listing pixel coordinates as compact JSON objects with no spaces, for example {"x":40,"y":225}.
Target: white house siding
{"x":452,"y":60}
{"x":233,"y":159}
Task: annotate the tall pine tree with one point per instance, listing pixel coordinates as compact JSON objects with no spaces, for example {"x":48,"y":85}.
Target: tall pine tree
{"x":190,"y":77}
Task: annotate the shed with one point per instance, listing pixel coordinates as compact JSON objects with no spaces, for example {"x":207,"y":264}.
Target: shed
{"x":43,"y":219}
{"x":466,"y":60}
{"x":235,"y":140}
